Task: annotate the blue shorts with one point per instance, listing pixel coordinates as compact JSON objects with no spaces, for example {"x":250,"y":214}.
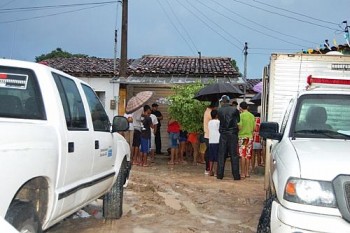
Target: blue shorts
{"x":182,"y":139}
{"x":145,"y":145}
{"x":173,"y":140}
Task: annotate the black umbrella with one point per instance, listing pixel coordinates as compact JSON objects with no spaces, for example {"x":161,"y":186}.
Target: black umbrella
{"x":256,"y":99}
{"x":213,"y":92}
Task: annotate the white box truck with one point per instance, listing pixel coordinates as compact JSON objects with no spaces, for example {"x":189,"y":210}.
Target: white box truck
{"x":306,"y":124}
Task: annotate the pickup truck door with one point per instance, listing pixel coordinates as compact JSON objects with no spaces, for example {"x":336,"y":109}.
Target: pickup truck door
{"x":77,"y":147}
{"x":104,"y":153}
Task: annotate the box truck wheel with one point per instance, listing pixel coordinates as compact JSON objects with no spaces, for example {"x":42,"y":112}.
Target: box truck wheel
{"x":265,"y":217}
{"x":22,"y":216}
{"x":113,"y":200}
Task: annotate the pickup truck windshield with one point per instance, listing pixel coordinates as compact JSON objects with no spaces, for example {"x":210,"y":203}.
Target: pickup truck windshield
{"x":323,"y":116}
{"x":20,"y":96}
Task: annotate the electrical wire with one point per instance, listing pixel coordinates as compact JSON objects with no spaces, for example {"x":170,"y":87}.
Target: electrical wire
{"x":261,"y":32}
{"x":218,"y":25}
{"x":296,"y":13}
{"x":175,"y":27}
{"x":50,"y":15}
{"x":210,"y":27}
{"x":184,"y":28}
{"x":276,"y":13}
{"x":33,"y":8}
{"x":261,"y":25}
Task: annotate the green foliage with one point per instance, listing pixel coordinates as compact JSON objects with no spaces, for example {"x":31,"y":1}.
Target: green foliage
{"x":234,"y":64}
{"x":186,"y":110}
{"x":57,"y":53}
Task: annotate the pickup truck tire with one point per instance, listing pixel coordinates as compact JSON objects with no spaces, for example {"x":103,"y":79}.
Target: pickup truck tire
{"x":265,"y":218}
{"x":23,"y":217}
{"x":113,"y":200}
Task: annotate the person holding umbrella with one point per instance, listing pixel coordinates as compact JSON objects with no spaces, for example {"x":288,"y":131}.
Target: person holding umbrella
{"x":135,"y":107}
{"x":228,"y":117}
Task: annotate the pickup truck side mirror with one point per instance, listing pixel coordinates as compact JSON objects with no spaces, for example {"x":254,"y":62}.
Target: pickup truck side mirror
{"x":270,"y":130}
{"x":120,"y":123}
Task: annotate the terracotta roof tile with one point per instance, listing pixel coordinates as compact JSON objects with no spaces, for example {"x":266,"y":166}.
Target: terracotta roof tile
{"x":147,"y":65}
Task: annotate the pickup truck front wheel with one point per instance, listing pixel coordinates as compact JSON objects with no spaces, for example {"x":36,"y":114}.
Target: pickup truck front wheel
{"x":113,"y":200}
{"x":265,"y":217}
{"x":23,"y":217}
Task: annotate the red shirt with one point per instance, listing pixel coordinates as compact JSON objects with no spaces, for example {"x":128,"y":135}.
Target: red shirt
{"x":174,"y":127}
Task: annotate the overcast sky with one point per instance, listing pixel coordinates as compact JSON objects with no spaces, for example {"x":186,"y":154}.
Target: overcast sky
{"x":219,"y":28}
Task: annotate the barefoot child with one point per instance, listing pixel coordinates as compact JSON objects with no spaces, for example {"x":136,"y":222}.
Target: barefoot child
{"x":214,"y":136}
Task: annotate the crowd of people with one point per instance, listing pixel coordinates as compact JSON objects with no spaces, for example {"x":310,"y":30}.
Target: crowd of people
{"x":229,"y":132}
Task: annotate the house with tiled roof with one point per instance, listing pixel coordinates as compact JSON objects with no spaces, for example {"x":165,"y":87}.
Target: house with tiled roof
{"x":150,"y":72}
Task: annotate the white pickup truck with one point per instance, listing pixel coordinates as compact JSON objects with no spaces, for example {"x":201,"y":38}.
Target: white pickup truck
{"x":58,"y":149}
{"x":309,"y":163}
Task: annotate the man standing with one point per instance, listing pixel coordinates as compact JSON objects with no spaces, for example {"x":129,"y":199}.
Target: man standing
{"x":229,"y":117}
{"x":159,"y":116}
{"x":153,"y":135}
{"x":245,"y":142}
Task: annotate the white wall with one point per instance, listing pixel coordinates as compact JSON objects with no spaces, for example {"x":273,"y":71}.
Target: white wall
{"x":111,"y":90}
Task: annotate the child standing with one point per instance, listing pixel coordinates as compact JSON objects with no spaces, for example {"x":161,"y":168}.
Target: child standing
{"x":214,"y":136}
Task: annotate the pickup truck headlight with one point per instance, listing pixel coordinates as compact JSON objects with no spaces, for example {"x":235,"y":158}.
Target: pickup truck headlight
{"x":310,"y":192}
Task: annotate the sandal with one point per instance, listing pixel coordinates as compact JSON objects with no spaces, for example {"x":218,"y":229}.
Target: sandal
{"x":171,"y":163}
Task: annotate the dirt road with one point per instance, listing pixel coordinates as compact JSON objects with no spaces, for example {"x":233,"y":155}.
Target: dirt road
{"x":178,"y":198}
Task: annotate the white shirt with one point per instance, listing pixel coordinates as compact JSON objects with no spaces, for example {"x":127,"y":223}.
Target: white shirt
{"x":131,"y":125}
{"x":136,"y":116}
{"x":213,"y":128}
{"x":154,"y":121}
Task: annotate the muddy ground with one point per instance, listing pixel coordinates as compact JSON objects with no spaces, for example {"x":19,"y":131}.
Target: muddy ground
{"x":178,"y":198}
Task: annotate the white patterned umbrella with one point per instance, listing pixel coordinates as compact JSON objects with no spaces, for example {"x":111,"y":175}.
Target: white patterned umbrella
{"x":138,"y":101}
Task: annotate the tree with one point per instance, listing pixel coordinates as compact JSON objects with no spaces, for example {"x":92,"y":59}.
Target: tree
{"x":57,"y":53}
{"x":186,"y":110}
{"x":234,"y":64}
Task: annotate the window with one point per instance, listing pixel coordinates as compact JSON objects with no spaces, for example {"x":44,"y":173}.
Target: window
{"x":286,"y":116}
{"x":72,"y":104}
{"x":98,"y":114}
{"x":20,"y":95}
{"x":102,"y":96}
{"x":323,"y":116}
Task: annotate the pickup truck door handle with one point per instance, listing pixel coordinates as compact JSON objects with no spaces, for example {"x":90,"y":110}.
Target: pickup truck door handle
{"x":97,"y":144}
{"x":70,"y":147}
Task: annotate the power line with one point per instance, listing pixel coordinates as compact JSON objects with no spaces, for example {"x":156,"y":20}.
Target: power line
{"x":229,"y":41}
{"x":33,"y":8}
{"x":261,"y":32}
{"x":172,"y":23}
{"x":218,"y":25}
{"x":184,"y":28}
{"x":49,"y":15}
{"x":261,"y":25}
{"x":276,"y":13}
{"x":296,"y":13}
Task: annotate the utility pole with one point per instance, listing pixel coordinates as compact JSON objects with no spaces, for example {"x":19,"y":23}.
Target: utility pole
{"x":124,"y":42}
{"x":245,"y":68}
{"x":199,"y":61}
{"x":115,"y":52}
